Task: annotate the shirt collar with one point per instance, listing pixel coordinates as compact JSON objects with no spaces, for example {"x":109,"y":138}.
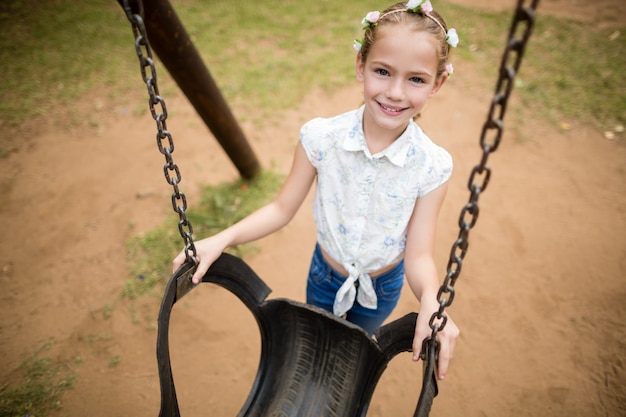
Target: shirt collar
{"x":396,"y":152}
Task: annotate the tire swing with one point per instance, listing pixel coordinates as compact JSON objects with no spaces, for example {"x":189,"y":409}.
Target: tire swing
{"x":312,"y":362}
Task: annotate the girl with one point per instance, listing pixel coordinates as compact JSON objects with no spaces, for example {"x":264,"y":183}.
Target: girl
{"x":380,"y":182}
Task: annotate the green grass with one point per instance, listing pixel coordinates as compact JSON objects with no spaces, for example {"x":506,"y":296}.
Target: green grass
{"x":42,"y":384}
{"x":54,"y":52}
{"x":570,"y":69}
{"x":577,"y":71}
{"x":57,"y":53}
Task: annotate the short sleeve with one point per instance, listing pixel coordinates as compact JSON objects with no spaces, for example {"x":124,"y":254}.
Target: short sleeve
{"x":436,"y":171}
{"x":310,"y":141}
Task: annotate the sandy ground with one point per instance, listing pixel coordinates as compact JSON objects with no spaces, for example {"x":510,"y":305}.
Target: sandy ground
{"x":540,"y":300}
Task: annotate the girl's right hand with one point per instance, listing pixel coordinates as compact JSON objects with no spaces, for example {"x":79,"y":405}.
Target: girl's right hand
{"x":207,"y":251}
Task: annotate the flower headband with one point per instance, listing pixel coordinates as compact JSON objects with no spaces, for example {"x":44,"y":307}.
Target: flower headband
{"x":424,"y":7}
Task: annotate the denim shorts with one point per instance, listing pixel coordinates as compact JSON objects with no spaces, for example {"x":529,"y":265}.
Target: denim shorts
{"x":324,"y":282}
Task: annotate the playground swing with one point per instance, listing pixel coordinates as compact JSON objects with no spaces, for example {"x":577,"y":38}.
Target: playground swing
{"x":312,"y":362}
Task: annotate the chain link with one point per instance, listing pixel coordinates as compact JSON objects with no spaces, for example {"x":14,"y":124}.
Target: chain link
{"x":165,"y":142}
{"x":490,"y":138}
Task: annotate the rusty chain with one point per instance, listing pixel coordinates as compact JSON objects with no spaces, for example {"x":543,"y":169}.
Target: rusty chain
{"x":491,"y":135}
{"x":165,"y":142}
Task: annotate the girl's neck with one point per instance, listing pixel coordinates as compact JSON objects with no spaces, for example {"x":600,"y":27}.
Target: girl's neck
{"x":378,"y":139}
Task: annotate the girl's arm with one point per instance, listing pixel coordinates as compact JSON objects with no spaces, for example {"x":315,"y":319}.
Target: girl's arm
{"x":260,"y":223}
{"x":421,"y":274}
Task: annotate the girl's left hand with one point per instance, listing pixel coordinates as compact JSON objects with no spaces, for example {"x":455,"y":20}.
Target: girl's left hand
{"x":446,"y":337}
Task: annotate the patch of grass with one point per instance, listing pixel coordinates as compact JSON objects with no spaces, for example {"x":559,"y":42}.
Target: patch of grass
{"x":41,"y":387}
{"x":570,"y":69}
{"x":107,"y":310}
{"x":54,"y":53}
{"x":114,"y":361}
{"x":151,"y":254}
{"x":577,"y":72}
{"x":93,"y":339}
{"x":251,"y":48}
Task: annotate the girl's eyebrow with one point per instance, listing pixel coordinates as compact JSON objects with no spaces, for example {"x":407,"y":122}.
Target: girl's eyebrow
{"x":380,"y":63}
{"x":386,"y":65}
{"x":421,"y":73}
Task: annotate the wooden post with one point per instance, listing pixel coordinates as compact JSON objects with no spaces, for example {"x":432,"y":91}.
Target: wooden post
{"x":170,"y":41}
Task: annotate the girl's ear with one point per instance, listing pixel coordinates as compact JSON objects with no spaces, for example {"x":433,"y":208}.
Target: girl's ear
{"x":359,"y":67}
{"x":438,"y":84}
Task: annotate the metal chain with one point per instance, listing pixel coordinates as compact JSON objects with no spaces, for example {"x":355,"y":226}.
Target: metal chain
{"x":490,"y":137}
{"x":164,"y":139}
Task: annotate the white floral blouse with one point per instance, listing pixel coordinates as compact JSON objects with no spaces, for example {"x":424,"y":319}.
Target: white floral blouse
{"x":363,"y":202}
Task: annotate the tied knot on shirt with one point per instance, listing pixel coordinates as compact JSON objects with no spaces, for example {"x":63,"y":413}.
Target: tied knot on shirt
{"x":348,"y":293}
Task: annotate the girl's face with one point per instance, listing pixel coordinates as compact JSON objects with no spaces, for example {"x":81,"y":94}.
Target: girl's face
{"x":399,"y":76}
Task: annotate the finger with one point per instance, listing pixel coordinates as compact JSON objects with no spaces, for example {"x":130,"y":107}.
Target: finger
{"x":445,"y":356}
{"x":178,"y":261}
{"x":417,"y":350}
{"x":200,"y":271}
{"x":418,"y":342}
{"x":197,"y":277}
{"x":442,"y":363}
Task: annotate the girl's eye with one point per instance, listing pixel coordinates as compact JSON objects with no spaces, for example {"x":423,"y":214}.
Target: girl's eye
{"x":382,"y":72}
{"x":416,"y":80}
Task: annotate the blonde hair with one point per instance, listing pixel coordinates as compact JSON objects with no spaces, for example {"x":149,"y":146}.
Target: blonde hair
{"x":398,"y":14}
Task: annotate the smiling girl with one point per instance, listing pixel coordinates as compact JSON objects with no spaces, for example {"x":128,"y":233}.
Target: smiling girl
{"x":380,"y":182}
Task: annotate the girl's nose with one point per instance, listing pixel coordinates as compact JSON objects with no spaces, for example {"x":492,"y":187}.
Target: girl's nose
{"x":395,"y":90}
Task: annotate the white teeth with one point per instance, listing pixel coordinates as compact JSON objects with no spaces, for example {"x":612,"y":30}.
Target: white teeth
{"x":391,"y":110}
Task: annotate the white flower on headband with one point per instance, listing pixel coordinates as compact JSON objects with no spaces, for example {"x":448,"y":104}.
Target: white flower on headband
{"x":370,"y":20}
{"x":422,"y":6}
{"x":449,"y":69}
{"x":357,"y":45}
{"x":452,"y":37}
{"x":412,"y":4}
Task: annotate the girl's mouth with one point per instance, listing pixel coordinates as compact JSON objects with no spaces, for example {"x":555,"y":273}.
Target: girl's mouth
{"x":391,"y":109}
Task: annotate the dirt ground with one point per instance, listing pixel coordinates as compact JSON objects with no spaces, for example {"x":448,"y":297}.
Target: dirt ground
{"x":540,"y":302}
